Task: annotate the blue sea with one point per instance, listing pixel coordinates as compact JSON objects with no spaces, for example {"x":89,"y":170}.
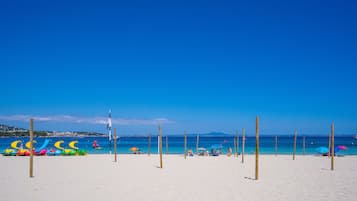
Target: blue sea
{"x":176,"y":144}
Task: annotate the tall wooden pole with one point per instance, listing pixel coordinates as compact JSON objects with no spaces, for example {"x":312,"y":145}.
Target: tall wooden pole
{"x":235,"y":146}
{"x":149,"y":145}
{"x":167,"y":144}
{"x":303,"y":145}
{"x":115,"y":144}
{"x":31,"y":148}
{"x":160,"y":145}
{"x":276,"y":145}
{"x":237,"y":143}
{"x":197,"y":143}
{"x":243,"y":142}
{"x":257,"y":148}
{"x":295,"y":135}
{"x":185,"y":145}
{"x":329,"y":145}
{"x":332,"y":146}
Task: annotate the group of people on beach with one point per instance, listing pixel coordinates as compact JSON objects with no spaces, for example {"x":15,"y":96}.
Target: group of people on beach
{"x":189,"y":152}
{"x":214,"y":152}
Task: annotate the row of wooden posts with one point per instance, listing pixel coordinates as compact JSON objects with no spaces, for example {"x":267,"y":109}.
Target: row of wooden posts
{"x":236,"y":145}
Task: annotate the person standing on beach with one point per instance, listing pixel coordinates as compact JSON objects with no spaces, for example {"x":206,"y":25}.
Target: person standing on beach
{"x":95,"y":145}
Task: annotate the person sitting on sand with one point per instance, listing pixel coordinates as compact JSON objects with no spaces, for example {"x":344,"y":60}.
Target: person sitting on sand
{"x":229,"y":151}
{"x":189,"y":152}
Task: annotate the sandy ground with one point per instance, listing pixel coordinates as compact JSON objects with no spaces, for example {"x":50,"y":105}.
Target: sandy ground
{"x":137,"y":177}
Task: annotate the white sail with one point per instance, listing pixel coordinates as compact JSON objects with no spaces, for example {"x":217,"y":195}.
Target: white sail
{"x":109,"y":125}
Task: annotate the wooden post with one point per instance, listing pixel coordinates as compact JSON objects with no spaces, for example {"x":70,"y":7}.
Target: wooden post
{"x":237,"y":143}
{"x":149,"y":144}
{"x":160,"y":145}
{"x":185,"y":145}
{"x":276,"y":145}
{"x":243,"y":142}
{"x":197,"y":143}
{"x":332,"y":146}
{"x":235,"y":146}
{"x":303,"y":145}
{"x":167,"y":144}
{"x":329,"y":146}
{"x":115,"y":145}
{"x":257,"y":148}
{"x":295,"y":136}
{"x":31,"y":148}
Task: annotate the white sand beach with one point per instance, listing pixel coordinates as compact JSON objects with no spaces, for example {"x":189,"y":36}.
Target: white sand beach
{"x":137,"y":177}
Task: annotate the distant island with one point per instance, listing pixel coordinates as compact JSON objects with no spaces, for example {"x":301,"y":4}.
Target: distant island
{"x":12,"y":131}
{"x":212,"y":134}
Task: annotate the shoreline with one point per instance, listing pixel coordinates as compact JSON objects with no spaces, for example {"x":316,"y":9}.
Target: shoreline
{"x":195,"y":156}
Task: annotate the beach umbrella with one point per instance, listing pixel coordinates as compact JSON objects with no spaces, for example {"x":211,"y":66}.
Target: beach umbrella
{"x":342,"y":147}
{"x":339,"y":148}
{"x":322,"y":150}
{"x":134,"y":149}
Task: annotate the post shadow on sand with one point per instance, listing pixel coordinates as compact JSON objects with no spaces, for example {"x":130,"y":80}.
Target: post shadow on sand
{"x":250,"y":178}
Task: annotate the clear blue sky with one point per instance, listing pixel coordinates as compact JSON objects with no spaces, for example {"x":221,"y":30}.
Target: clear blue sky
{"x":203,"y":65}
